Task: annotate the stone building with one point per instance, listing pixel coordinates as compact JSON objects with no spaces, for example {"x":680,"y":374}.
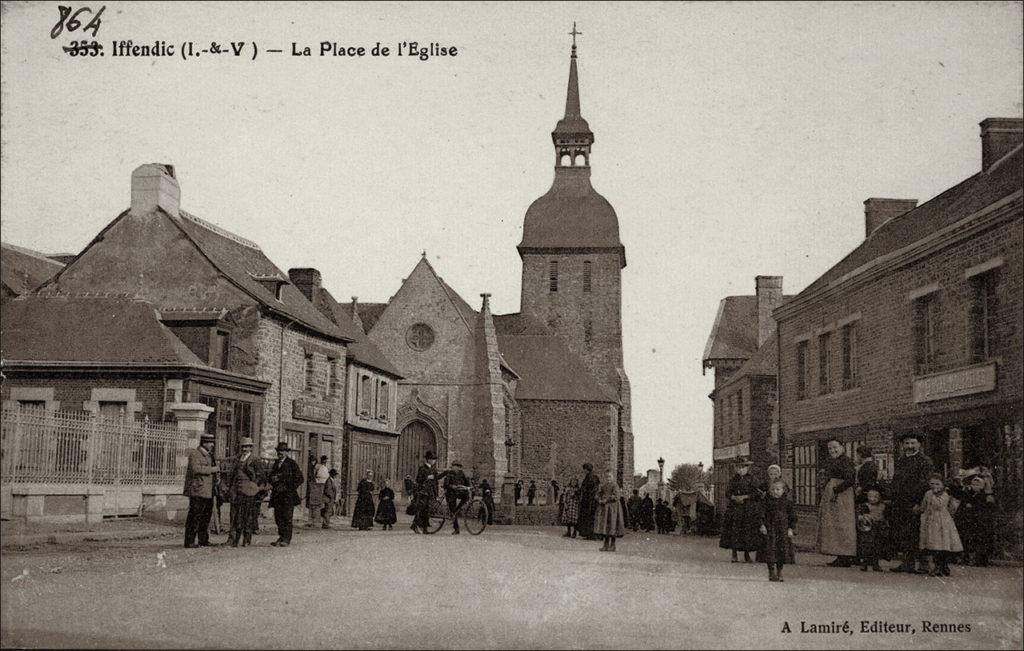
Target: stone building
{"x":742,"y":349}
{"x":918,"y":329}
{"x":233,"y":309}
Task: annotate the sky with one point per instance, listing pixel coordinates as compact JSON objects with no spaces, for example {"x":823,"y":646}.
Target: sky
{"x":733,"y":139}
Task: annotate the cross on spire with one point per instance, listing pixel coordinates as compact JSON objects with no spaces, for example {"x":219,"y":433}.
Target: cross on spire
{"x":574,"y":34}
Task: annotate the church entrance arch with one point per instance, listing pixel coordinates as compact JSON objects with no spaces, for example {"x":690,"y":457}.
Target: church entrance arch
{"x":416,"y":438}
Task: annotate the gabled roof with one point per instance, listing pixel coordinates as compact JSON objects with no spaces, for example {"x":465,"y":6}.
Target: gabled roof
{"x":96,"y":329}
{"x":362,"y":349}
{"x":369,"y":313}
{"x":764,"y":362}
{"x":23,"y":270}
{"x":956,"y":203}
{"x":547,"y":369}
{"x":734,"y":334}
{"x":243,"y":262}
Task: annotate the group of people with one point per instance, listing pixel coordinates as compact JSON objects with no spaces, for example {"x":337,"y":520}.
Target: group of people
{"x":918,"y":516}
{"x":592,"y":509}
{"x":646,"y":514}
{"x":458,"y":489}
{"x":531,"y":492}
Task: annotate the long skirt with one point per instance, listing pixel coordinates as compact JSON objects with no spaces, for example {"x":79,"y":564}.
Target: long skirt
{"x":386,"y":512}
{"x":585,"y":519}
{"x":938,"y":532}
{"x":245,"y":514}
{"x":740,"y":526}
{"x":609,"y":520}
{"x":837,"y":524}
{"x":362,"y":517}
{"x":316,"y":496}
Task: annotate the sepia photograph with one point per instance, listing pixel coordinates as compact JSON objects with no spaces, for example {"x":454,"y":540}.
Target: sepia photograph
{"x":495,"y":325}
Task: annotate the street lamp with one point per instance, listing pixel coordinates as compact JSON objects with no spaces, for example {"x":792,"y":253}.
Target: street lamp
{"x":661,"y":477}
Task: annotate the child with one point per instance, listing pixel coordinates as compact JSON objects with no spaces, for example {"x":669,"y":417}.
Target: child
{"x":975,"y":519}
{"x":386,"y":507}
{"x":938,"y":532}
{"x":872,"y":530}
{"x":777,"y":524}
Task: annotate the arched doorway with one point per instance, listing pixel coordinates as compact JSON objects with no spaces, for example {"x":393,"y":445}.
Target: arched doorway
{"x":416,"y":438}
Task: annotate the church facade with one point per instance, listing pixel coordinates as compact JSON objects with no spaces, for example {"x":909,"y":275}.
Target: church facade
{"x":533,"y":395}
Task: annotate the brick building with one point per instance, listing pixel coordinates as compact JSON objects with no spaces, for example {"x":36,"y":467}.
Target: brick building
{"x":742,"y":351}
{"x":233,"y":309}
{"x":918,"y":329}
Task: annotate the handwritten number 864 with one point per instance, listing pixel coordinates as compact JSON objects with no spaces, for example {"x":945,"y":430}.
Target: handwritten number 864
{"x":73,"y":23}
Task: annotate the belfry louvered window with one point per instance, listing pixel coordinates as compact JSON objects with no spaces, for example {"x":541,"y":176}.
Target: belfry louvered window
{"x":586,"y":275}
{"x":553,"y":276}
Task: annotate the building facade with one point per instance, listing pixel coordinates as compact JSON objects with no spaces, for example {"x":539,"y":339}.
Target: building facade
{"x":918,"y":329}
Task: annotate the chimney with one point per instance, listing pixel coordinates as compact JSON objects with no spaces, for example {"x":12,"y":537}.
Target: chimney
{"x":769,"y":296}
{"x":154,"y":186}
{"x":307,"y":280}
{"x":999,"y":136}
{"x":486,"y":305}
{"x":878,"y":211}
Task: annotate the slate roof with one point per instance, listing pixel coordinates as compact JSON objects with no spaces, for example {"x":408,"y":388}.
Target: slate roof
{"x":96,"y":329}
{"x":963,"y":199}
{"x":764,"y":361}
{"x":369,"y":313}
{"x":547,"y":369}
{"x":23,"y":270}
{"x":242,"y":260}
{"x":571,"y":215}
{"x":362,"y":349}
{"x":734,"y":334}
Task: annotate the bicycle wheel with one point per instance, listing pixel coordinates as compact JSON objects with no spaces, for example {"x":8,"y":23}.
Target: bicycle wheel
{"x":436,"y":517}
{"x":475,"y":516}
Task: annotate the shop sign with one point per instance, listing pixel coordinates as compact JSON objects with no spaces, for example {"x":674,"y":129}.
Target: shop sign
{"x":728,"y":452}
{"x":960,"y":382}
{"x":314,"y":411}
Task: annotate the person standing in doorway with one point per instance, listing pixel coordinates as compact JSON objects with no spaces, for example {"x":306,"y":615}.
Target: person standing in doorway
{"x":315,"y":492}
{"x":285,"y":479}
{"x":199,"y":477}
{"x":909,"y":483}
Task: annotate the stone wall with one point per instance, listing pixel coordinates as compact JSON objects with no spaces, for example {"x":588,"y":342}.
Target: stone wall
{"x":558,"y":437}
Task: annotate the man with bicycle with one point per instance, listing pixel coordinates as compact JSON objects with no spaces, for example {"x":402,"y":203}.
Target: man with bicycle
{"x":456,"y":491}
{"x":424,"y":492}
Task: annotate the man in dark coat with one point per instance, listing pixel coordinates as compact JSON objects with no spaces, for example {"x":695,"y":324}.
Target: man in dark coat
{"x":531,"y":493}
{"x":647,"y":513}
{"x":285,"y":479}
{"x":425,"y":492}
{"x":633,"y":508}
{"x":588,"y":503}
{"x":199,"y":480}
{"x":488,"y":496}
{"x":456,"y":492}
{"x":909,"y":484}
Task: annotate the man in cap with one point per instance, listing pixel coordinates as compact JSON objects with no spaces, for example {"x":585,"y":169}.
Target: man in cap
{"x":247,"y":481}
{"x":456,"y":491}
{"x":285,"y":479}
{"x":424,"y":492}
{"x":909,"y":484}
{"x":199,"y":476}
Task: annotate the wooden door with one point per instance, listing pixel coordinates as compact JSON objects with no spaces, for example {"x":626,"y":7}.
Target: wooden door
{"x":416,"y":438}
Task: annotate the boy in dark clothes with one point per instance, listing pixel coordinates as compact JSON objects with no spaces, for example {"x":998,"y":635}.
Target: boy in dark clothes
{"x":777,"y":524}
{"x":975,"y":520}
{"x":872,"y":530}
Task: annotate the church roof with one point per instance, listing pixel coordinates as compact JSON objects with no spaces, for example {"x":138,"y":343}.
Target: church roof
{"x":571,"y":215}
{"x":547,"y":369}
{"x":22,"y":270}
{"x":956,"y":203}
{"x":90,"y":329}
{"x":362,"y":349}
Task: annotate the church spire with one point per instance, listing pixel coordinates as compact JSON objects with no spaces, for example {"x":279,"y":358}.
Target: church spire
{"x":572,"y":136}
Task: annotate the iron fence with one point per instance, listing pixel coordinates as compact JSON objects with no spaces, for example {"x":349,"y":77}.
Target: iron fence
{"x":74,"y":447}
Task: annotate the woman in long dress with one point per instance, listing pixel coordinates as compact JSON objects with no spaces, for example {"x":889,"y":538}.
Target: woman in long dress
{"x":742,"y":519}
{"x":837,"y":521}
{"x":609,"y":523}
{"x":386,"y":506}
{"x":362,"y":516}
{"x":569,"y":508}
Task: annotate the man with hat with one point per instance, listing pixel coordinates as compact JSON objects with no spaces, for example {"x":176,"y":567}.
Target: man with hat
{"x":247,"y":482}
{"x":199,"y":476}
{"x":285,"y":479}
{"x":741,"y":522}
{"x":909,"y":484}
{"x":424,"y":492}
{"x":456,"y":491}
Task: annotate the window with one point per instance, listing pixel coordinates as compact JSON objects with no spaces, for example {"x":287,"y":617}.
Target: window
{"x":926,"y":312}
{"x":982,"y":316}
{"x":383,"y":401}
{"x":586,"y":275}
{"x":110,"y":410}
{"x":849,"y":344}
{"x":230,"y":420}
{"x":32,"y":404}
{"x":825,"y":363}
{"x":365,"y":395}
{"x":309,"y":371}
{"x":419,"y":337}
{"x":805,"y":474}
{"x":219,"y":349}
{"x":332,"y":376}
{"x":739,"y":410}
{"x":801,"y":370}
{"x":553,"y":276}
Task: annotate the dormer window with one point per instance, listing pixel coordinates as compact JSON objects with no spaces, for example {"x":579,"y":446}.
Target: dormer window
{"x":272,"y":283}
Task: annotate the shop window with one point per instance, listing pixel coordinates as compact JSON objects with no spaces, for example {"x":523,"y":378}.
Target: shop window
{"x":801,"y":370}
{"x":849,"y":345}
{"x":805,"y":474}
{"x":926,"y":314}
{"x":982,"y":315}
{"x":825,"y":363}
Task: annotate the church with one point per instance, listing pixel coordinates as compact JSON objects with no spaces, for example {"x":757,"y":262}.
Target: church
{"x":533,"y":395}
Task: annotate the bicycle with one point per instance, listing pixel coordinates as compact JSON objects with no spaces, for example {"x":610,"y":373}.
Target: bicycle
{"x":473,"y":514}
